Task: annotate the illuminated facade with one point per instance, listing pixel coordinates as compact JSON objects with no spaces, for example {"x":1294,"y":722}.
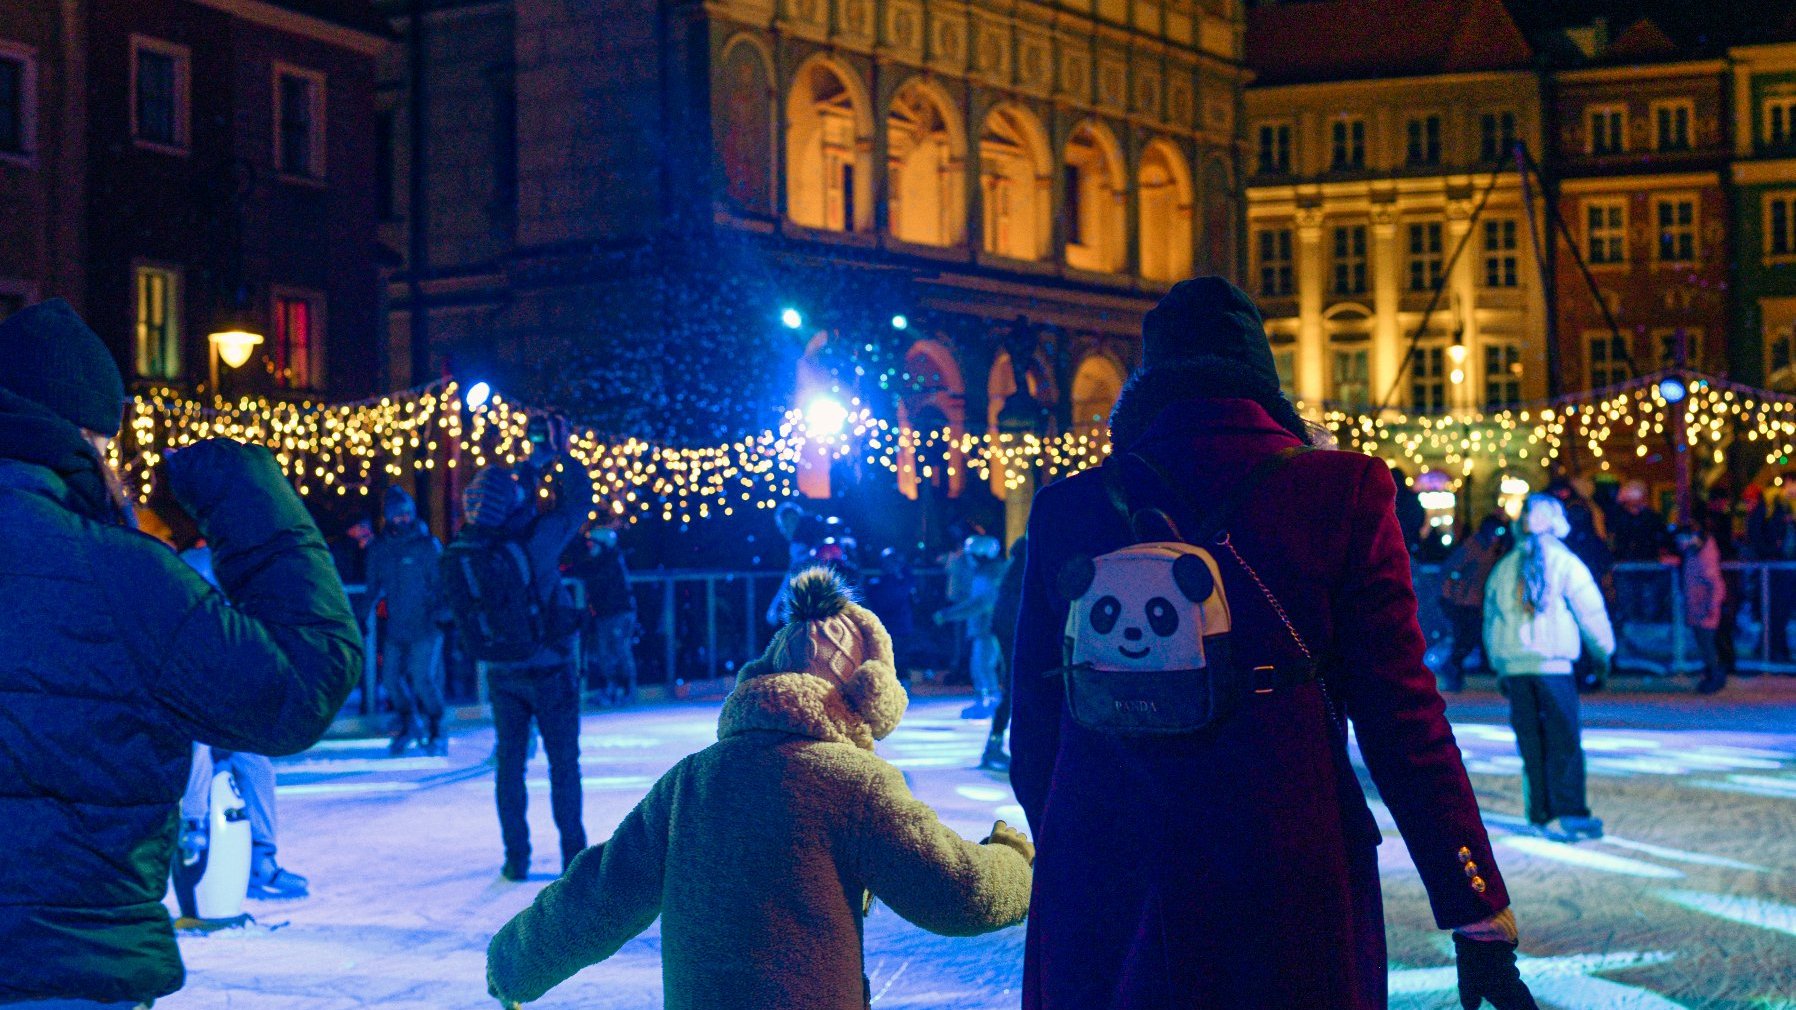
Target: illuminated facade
{"x":1049,"y":167}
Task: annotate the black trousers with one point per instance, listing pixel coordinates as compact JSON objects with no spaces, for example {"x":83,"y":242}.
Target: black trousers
{"x":552,"y":698}
{"x":1544,"y":711}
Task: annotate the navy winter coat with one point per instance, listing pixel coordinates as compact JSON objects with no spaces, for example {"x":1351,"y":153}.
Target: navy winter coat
{"x":1235,"y":867}
{"x":403,"y":570}
{"x":114,"y":657}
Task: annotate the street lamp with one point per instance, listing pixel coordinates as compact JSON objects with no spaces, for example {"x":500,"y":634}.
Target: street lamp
{"x":234,"y":346}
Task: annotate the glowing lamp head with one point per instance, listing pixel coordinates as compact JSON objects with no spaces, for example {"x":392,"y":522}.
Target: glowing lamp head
{"x":791,"y":318}
{"x":825,"y":416}
{"x":477,"y":395}
{"x":234,"y":346}
{"x":1456,"y":353}
{"x":1672,"y":389}
{"x":899,"y":322}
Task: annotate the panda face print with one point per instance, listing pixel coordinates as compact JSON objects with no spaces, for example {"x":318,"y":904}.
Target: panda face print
{"x":1146,"y":607}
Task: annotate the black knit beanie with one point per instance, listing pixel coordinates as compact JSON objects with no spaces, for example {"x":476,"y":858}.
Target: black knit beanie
{"x":1207,"y":317}
{"x":48,"y":355}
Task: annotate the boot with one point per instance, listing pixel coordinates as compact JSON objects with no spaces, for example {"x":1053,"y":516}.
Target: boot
{"x":516,"y":868}
{"x":398,"y":744}
{"x":434,"y":743}
{"x":268,"y":880}
{"x":994,"y":759}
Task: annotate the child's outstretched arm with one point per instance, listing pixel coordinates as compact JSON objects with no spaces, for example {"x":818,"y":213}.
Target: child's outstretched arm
{"x":610,"y":893}
{"x":932,"y":876}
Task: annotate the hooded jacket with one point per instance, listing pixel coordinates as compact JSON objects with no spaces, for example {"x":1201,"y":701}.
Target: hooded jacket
{"x":403,"y":569}
{"x":1518,"y":643}
{"x":114,"y":657}
{"x":759,"y":852}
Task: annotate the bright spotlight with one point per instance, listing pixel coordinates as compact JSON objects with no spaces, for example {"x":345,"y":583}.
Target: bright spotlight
{"x":1672,"y":389}
{"x":792,"y":318}
{"x":826,"y":416}
{"x":900,"y":323}
{"x":477,"y":395}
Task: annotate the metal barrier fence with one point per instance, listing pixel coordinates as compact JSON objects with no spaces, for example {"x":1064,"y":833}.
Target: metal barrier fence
{"x":1646,"y":606}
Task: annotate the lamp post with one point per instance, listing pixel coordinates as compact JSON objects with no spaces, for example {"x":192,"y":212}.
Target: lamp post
{"x":233,"y":346}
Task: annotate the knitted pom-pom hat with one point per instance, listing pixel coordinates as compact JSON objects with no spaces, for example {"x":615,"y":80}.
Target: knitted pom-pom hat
{"x":830,"y":637}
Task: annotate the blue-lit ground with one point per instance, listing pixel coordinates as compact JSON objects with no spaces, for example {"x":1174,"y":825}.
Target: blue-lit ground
{"x":1690,"y":902}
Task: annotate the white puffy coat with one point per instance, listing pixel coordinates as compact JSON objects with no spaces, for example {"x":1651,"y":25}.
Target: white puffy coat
{"x":1517,"y":643}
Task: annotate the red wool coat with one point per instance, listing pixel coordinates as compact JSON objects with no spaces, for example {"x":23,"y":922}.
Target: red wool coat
{"x":1236,"y":867}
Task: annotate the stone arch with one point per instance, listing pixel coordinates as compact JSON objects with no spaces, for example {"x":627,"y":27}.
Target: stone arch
{"x":745,"y":125}
{"x":1000,"y":383}
{"x":926,"y":151}
{"x":829,"y":148}
{"x":1094,"y":184}
{"x":935,"y":389}
{"x":1164,"y":200}
{"x":1015,"y":172}
{"x":1097,"y":383}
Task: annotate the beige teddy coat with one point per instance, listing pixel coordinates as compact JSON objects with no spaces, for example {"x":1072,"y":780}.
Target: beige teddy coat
{"x":758,"y":852}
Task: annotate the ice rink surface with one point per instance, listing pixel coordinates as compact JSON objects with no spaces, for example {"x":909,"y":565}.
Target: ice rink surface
{"x":1690,"y":901}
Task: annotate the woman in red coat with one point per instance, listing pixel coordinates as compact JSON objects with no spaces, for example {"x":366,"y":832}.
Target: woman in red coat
{"x":1236,"y":866}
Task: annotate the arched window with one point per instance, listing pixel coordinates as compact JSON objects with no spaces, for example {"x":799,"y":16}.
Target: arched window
{"x":1096,"y":385}
{"x":934,"y":399}
{"x":1219,"y":218}
{"x":926,"y":168}
{"x":1091,"y":201}
{"x":745,"y":128}
{"x":1014,"y":174}
{"x":1163,"y":187}
{"x":828,"y":150}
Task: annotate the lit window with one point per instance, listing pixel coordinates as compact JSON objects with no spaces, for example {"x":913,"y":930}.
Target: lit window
{"x":1274,"y":247}
{"x":1608,"y":360}
{"x":826,"y":165}
{"x":1428,"y":380}
{"x":160,"y":90}
{"x":1671,"y":122}
{"x":1285,"y":361}
{"x":1275,"y":148}
{"x":1424,"y":256}
{"x":1606,"y":231}
{"x":299,"y":123}
{"x":1013,"y":155}
{"x":1424,"y":146}
{"x":925,"y":203}
{"x":297,"y":356}
{"x":1091,"y":209}
{"x":1608,"y":129}
{"x":1496,"y":135}
{"x":1780,"y":122}
{"x":1350,"y":383}
{"x":1349,"y":144}
{"x":1499,"y":254}
{"x":18,"y":111}
{"x":1502,"y":375}
{"x":1676,"y":218}
{"x":158,"y":323}
{"x":1350,"y":260}
{"x":1780,"y":226}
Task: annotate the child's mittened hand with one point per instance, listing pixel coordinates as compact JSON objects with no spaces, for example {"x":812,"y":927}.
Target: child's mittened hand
{"x":1004,"y":834}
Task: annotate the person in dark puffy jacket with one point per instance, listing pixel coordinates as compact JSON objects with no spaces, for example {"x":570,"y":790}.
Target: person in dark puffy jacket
{"x":610,"y":623}
{"x":115,"y":657}
{"x":402,"y":572}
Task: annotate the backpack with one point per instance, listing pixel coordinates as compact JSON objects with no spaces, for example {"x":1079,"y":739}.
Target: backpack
{"x":487,"y":580}
{"x":1150,"y":648}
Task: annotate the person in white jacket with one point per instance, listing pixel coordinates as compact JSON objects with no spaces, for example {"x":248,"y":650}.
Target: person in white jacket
{"x":1540,"y":607}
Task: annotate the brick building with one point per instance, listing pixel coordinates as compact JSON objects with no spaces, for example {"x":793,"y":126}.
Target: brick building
{"x":186,"y":166}
{"x":623,"y":197}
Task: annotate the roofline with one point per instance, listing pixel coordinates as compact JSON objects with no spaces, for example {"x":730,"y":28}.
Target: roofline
{"x":1368,"y":83}
{"x":1634,"y":71}
{"x":307,"y":25}
{"x":1746,"y":53}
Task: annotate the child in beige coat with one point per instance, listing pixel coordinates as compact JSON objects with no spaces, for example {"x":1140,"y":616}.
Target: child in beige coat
{"x":762,"y":852}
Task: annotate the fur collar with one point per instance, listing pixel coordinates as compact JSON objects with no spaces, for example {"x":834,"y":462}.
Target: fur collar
{"x":1151,"y":390}
{"x":859,"y":711}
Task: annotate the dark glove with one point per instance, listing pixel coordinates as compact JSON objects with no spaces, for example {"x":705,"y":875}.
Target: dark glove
{"x":1487,"y":972}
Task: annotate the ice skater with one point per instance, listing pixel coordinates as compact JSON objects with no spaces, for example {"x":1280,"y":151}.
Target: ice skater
{"x":1539,"y":604}
{"x":1205,"y":839}
{"x":762,"y":853}
{"x":116,"y":657}
{"x":403,"y":573}
{"x":974,"y":610}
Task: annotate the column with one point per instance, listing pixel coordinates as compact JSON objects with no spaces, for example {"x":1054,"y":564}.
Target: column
{"x":1312,"y":276}
{"x":1463,"y":285}
{"x":1388,"y":338}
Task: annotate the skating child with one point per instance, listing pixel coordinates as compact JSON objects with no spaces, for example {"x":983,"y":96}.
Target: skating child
{"x":761,"y":853}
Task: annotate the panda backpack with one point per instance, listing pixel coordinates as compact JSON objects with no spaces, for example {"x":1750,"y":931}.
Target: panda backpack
{"x":1150,"y":646}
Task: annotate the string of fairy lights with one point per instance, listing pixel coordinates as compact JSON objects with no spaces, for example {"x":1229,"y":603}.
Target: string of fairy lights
{"x":347,"y":448}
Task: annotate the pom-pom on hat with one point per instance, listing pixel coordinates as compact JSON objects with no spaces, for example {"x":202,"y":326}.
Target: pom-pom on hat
{"x":827,"y":635}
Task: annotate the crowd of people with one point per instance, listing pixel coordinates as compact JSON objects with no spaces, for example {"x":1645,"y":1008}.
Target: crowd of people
{"x":1628,"y":529}
{"x":1193,"y":635}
